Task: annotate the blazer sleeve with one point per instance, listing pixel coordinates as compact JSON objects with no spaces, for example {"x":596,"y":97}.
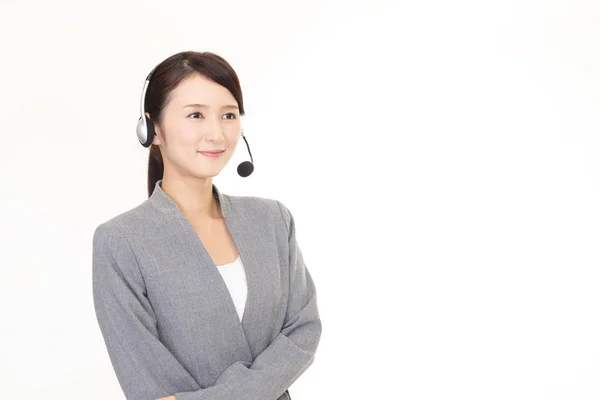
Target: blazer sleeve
{"x":291,"y":352}
{"x":145,"y":368}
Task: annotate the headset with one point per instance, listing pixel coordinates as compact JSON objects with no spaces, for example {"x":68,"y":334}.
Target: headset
{"x":145,"y":132}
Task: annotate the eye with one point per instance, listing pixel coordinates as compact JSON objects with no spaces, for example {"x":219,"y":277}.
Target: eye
{"x":196,"y":113}
{"x":233,"y":116}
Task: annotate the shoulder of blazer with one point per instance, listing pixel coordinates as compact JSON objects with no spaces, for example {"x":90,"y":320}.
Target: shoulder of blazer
{"x":266,"y":209}
{"x":131,"y":216}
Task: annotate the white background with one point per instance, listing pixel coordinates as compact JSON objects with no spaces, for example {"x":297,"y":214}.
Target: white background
{"x":441,"y":160}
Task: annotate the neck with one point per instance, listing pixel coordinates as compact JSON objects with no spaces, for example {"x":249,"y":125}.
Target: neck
{"x":193,"y":196}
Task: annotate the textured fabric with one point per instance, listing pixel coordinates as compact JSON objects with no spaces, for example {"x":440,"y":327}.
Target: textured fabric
{"x":168,"y":321}
{"x":235,"y":278}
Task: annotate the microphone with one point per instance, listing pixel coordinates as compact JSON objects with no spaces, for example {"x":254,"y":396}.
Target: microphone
{"x":247,"y":167}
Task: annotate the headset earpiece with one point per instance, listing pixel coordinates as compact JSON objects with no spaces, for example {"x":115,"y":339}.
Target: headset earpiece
{"x":145,"y":127}
{"x":145,"y":131}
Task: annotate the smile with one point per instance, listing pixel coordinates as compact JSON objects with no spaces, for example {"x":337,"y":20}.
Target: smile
{"x":211,"y":154}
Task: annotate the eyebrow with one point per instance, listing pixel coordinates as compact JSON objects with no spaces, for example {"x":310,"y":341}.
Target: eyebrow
{"x":204,"y":105}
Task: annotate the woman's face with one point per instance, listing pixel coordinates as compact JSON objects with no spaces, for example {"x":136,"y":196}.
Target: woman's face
{"x":201,"y":115}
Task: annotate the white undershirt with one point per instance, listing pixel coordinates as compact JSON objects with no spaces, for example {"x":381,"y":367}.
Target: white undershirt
{"x":235,"y":278}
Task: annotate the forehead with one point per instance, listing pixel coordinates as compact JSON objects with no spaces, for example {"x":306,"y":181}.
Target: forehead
{"x":198,"y":89}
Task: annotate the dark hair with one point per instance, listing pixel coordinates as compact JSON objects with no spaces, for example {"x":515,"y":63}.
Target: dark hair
{"x":167,"y":75}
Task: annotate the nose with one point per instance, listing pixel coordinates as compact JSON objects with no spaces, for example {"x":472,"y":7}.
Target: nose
{"x":214,"y":129}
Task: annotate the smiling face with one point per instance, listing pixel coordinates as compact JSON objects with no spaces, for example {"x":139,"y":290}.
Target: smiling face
{"x":201,"y":115}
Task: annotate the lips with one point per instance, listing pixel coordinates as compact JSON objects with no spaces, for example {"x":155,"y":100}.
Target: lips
{"x":211,"y":154}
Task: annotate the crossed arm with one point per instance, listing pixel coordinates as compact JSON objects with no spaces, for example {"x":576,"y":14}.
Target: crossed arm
{"x":147,"y":370}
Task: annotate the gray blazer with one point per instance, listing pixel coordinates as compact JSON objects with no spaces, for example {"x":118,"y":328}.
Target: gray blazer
{"x":168,"y":321}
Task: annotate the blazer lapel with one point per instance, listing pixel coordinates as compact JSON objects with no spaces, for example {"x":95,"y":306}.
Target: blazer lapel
{"x":259,"y":253}
{"x":240,"y":229}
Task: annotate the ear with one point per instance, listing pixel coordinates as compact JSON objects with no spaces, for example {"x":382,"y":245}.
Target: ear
{"x":156,"y":140}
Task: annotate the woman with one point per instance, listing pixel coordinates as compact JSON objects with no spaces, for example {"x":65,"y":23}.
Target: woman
{"x":200,"y":294}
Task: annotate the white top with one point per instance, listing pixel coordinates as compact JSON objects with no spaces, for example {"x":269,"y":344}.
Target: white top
{"x":235,"y":278}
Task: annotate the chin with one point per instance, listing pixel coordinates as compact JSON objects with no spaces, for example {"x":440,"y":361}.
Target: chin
{"x":207,"y":172}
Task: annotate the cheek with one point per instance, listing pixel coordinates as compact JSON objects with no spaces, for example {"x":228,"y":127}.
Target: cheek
{"x":233,"y":135}
{"x":187,"y":135}
{"x":184,"y":140}
{"x":182,"y":145}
